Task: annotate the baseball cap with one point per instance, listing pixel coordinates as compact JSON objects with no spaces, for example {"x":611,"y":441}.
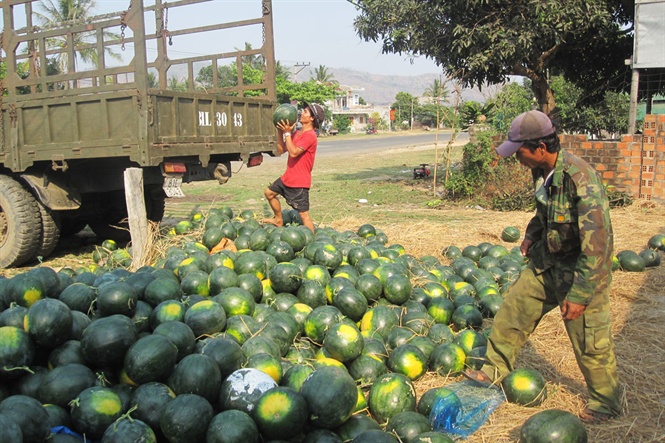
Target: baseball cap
{"x":530,"y":125}
{"x":316,"y":111}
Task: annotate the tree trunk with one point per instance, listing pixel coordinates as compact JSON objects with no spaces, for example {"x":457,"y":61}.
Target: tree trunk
{"x":544,"y":95}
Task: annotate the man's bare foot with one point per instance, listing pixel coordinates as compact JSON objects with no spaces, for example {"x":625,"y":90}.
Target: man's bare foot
{"x":274,"y":221}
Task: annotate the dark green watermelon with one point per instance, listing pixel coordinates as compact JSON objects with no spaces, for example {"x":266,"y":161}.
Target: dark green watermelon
{"x":553,"y":426}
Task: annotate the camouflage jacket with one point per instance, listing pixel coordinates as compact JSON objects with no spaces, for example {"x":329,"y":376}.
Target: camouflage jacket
{"x":571,"y":230}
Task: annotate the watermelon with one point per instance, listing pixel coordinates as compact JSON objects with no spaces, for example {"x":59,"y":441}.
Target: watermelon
{"x":286,"y":112}
{"x":266,"y":363}
{"x":150,"y":400}
{"x":150,"y":358}
{"x":242,"y":389}
{"x":391,"y":394}
{"x":366,"y":369}
{"x":553,"y":426}
{"x":510,"y":234}
{"x":116,"y":298}
{"x":186,"y":418}
{"x":94,"y":410}
{"x":48,"y":322}
{"x":205,"y":318}
{"x":524,"y":386}
{"x":10,"y":431}
{"x":105,"y":342}
{"x":657,"y":241}
{"x":651,"y":258}
{"x":180,"y":334}
{"x":17,"y":350}
{"x":196,"y":374}
{"x":407,"y":425}
{"x":30,"y":416}
{"x":408,"y":360}
{"x":343,"y":342}
{"x":64,"y":383}
{"x":427,"y":400}
{"x":127,"y":429}
{"x":331,"y":395}
{"x":232,"y":426}
{"x":225,"y":351}
{"x":280,"y":413}
{"x":630,"y":261}
{"x":447,"y":359}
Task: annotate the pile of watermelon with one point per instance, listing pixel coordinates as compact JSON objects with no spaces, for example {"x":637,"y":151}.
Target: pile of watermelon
{"x":245,"y":332}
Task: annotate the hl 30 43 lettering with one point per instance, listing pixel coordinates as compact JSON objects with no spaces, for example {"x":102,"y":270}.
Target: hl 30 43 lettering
{"x":219,"y":119}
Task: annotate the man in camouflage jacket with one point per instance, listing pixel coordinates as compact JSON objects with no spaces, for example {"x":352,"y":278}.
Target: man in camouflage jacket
{"x":569,"y":242}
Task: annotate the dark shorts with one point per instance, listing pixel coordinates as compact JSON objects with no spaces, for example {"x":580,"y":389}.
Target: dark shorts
{"x":297,"y":198}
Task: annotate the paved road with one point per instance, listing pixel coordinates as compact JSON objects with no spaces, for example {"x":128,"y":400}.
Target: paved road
{"x":368,"y":143}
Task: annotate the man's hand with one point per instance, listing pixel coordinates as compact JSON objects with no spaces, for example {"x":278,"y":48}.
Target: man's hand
{"x":524,"y":247}
{"x":571,"y":311}
{"x":284,"y":126}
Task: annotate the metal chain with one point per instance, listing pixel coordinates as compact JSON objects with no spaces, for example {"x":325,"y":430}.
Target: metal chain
{"x":166,"y":24}
{"x":123,"y":25}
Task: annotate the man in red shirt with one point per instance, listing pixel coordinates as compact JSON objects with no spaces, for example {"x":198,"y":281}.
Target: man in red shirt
{"x":294,"y":184}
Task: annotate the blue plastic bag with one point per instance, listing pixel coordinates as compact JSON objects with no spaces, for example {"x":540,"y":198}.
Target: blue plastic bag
{"x":466,"y":409}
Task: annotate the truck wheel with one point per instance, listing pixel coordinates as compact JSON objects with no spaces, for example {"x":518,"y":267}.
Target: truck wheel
{"x":50,"y":231}
{"x":70,"y":227}
{"x":20,"y":224}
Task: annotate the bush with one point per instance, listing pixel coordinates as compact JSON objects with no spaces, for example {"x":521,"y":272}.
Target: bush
{"x":490,"y":181}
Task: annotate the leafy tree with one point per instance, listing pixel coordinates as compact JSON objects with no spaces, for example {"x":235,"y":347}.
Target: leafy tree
{"x":437,"y":92}
{"x":176,"y":85}
{"x":471,"y":110}
{"x":484,"y":41}
{"x":405,"y":106}
{"x":342,"y":123}
{"x":322,"y":74}
{"x":54,"y":13}
{"x":310,"y":91}
{"x":512,"y":100}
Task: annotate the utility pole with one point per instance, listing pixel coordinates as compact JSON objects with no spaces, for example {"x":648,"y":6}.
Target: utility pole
{"x":302,"y":66}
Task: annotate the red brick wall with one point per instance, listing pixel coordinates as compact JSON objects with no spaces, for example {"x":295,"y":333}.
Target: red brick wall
{"x":635,"y":164}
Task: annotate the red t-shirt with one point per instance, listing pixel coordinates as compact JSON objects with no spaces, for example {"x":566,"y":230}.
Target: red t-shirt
{"x":299,"y":169}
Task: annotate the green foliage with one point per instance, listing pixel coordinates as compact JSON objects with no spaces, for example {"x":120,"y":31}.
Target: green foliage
{"x":617,"y":198}
{"x":310,"y":91}
{"x":322,"y":74}
{"x":480,"y":42}
{"x":511,"y":101}
{"x":488,"y":180}
{"x":342,"y":123}
{"x":406,"y":106}
{"x":471,"y":110}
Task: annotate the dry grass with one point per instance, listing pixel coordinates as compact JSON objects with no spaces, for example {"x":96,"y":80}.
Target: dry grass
{"x":638,"y":310}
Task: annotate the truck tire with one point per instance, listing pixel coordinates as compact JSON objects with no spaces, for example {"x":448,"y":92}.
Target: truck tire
{"x":50,"y":232}
{"x":20,"y":223}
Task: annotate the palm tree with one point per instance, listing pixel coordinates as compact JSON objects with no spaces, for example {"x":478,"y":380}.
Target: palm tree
{"x":56,"y":12}
{"x":437,"y":91}
{"x":322,"y":74}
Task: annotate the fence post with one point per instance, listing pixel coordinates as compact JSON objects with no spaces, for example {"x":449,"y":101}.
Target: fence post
{"x":138,"y":219}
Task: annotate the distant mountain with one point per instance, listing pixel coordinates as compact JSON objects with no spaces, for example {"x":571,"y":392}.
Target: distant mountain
{"x":382,"y":89}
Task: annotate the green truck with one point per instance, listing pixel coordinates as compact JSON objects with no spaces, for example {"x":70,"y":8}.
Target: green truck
{"x":86,"y":99}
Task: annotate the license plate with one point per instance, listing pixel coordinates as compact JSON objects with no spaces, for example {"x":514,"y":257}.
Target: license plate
{"x":172,"y":186}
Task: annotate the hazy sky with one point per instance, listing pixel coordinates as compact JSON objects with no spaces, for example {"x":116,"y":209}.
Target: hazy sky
{"x":318,"y":32}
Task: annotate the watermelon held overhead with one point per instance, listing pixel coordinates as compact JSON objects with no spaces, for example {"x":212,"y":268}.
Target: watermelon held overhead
{"x":286,"y":112}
